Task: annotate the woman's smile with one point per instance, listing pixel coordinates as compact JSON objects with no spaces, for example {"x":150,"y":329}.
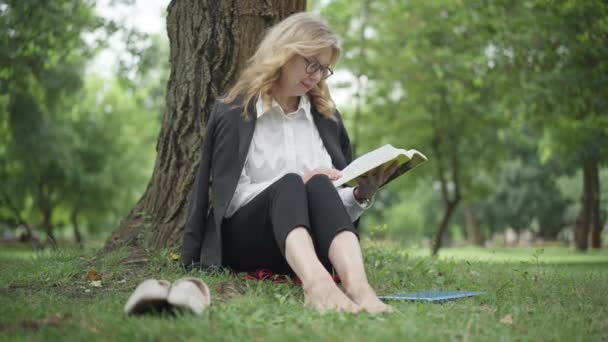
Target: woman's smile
{"x":308,"y":86}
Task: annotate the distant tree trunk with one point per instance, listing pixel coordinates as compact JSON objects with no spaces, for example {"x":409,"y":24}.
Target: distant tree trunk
{"x":443,"y":226}
{"x":582,"y":227}
{"x":594,"y":198}
{"x":74,"y":220}
{"x":588,"y":221}
{"x":445,"y":147}
{"x":210,"y":42}
{"x":46,"y":206}
{"x":47,"y":225}
{"x":473,"y":227}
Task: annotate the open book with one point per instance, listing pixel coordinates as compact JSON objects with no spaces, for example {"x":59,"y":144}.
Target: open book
{"x":382,"y":156}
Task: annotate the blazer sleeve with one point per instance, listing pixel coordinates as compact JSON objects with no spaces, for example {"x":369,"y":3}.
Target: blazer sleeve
{"x":199,"y":200}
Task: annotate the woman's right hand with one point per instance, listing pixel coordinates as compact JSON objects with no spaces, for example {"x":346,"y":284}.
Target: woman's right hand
{"x":333,"y":174}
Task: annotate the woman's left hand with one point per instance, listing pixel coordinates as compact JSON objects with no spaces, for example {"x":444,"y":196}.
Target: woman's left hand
{"x":370,"y":184}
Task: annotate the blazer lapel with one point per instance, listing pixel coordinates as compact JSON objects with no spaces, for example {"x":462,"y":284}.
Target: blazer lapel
{"x":329,"y":134}
{"x":246,"y":129}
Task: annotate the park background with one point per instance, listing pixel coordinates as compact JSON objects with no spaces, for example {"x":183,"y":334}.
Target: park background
{"x":101,"y":124}
{"x":507,"y":100}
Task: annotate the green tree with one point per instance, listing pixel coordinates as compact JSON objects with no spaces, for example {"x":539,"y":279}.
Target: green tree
{"x":429,"y":78}
{"x":526,"y":193}
{"x":558,"y":56}
{"x":41,"y":67}
{"x":111,"y":142}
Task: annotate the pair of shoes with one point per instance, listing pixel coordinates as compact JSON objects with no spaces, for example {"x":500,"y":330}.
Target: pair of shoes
{"x":154,"y":296}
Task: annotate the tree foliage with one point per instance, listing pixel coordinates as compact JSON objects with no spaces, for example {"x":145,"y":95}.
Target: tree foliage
{"x":470,"y":83}
{"x":72,"y":148}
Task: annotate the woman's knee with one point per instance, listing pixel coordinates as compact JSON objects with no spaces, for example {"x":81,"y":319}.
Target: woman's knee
{"x":291,"y":178}
{"x":319,"y":180}
{"x":291,"y":181}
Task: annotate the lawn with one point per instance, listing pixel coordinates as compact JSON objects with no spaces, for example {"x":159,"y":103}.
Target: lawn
{"x":553,"y":294}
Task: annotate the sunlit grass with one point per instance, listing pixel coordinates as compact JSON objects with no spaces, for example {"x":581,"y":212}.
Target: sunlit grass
{"x":550,"y":254}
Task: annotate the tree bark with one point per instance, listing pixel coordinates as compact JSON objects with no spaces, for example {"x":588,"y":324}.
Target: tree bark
{"x":210,"y":42}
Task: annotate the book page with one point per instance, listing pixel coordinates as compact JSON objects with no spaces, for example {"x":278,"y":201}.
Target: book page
{"x":381,"y":156}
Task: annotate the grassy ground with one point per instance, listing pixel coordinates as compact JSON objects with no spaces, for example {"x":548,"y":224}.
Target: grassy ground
{"x":552,"y":294}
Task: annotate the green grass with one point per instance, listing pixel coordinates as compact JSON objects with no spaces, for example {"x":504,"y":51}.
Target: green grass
{"x":553,"y":295}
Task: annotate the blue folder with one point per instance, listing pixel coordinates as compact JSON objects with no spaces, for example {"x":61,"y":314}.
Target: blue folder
{"x":431,"y":296}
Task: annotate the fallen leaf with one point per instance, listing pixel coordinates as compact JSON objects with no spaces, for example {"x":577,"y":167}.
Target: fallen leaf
{"x":96,"y":283}
{"x":487,"y":307}
{"x":508,"y":319}
{"x":90,"y":326}
{"x":93,"y":275}
{"x":174,"y":256}
{"x":229,"y":290}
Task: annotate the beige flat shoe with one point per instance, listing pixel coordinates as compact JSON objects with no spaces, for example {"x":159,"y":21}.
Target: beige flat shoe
{"x":190,"y":294}
{"x":149,"y":296}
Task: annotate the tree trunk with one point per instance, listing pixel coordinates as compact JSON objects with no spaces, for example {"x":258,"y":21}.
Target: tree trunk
{"x":445,"y":147}
{"x":47,"y":225}
{"x":210,"y":42}
{"x":77,"y":234}
{"x":443,"y":226}
{"x":585,"y":216}
{"x":594,"y":198}
{"x":473,"y":228}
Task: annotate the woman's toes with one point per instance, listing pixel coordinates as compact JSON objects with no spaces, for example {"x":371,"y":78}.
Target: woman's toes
{"x":378,"y":308}
{"x":327,"y":296}
{"x":364,"y":296}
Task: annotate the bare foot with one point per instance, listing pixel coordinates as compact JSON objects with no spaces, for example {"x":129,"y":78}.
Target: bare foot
{"x":365,"y":296}
{"x":324,"y":295}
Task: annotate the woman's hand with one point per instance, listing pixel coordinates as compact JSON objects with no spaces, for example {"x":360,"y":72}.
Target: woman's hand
{"x":333,"y":174}
{"x":370,"y":184}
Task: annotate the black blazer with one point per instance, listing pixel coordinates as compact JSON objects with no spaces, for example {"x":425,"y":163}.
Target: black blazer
{"x":224,"y":151}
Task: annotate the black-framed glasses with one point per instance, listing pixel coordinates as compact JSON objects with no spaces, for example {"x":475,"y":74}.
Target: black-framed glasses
{"x":312,"y":66}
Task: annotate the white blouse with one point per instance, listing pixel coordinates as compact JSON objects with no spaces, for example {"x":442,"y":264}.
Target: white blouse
{"x":284,"y":143}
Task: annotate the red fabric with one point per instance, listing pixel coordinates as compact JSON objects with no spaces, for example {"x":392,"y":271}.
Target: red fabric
{"x":266,"y":274}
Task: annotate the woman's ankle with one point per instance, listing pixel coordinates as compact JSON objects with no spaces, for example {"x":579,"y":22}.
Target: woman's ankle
{"x":354,"y":283}
{"x":316,"y":281}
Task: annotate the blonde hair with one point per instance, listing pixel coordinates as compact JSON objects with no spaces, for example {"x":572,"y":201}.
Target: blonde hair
{"x":302,"y":34}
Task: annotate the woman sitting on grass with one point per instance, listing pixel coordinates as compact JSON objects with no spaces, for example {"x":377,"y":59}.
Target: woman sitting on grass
{"x":273,"y":146}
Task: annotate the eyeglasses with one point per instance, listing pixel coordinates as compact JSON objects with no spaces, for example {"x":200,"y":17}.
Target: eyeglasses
{"x":312,"y":66}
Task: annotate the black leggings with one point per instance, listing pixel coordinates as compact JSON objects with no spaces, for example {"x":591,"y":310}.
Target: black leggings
{"x":254,"y":237}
